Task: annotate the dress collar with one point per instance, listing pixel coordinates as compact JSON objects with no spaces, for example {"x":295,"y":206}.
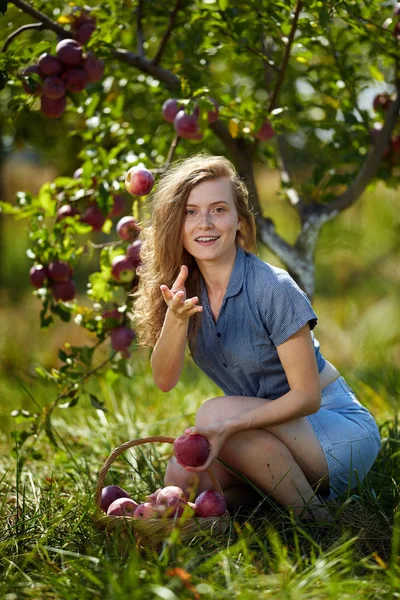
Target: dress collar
{"x":237,"y":275}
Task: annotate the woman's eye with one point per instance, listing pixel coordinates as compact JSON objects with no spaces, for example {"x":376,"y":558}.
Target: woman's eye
{"x":189,"y":211}
{"x":220,"y":209}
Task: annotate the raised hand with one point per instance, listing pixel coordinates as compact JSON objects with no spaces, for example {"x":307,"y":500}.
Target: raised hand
{"x":175,"y":298}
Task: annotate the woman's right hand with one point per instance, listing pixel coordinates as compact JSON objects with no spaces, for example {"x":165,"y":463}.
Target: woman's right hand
{"x":175,"y":298}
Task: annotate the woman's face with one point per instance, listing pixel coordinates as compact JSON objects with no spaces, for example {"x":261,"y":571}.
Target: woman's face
{"x":211,"y":221}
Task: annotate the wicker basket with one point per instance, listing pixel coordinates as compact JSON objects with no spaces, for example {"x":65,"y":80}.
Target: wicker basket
{"x":151,"y":532}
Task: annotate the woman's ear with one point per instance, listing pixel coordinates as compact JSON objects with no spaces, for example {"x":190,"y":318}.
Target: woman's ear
{"x":239,"y":225}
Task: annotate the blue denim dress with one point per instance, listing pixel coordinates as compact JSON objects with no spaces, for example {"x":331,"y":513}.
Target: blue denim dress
{"x":262,"y":307}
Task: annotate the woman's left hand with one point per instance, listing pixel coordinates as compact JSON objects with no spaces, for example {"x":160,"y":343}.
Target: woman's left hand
{"x":216,"y":435}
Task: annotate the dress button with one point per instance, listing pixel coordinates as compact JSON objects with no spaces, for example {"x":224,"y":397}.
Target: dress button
{"x":225,"y":365}
{"x":218,"y":334}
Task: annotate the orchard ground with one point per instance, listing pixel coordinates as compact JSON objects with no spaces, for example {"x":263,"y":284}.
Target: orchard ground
{"x":49,"y":543}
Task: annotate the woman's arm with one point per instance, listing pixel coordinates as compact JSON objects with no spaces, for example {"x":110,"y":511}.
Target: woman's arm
{"x":169,"y":352}
{"x":304,"y":397}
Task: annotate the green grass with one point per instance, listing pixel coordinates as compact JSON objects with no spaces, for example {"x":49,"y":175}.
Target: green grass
{"x":50,"y":546}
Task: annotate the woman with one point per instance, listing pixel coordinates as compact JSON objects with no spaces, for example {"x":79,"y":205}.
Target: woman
{"x":288,"y":421}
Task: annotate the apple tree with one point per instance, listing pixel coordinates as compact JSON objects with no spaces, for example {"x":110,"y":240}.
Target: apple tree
{"x":132,"y":85}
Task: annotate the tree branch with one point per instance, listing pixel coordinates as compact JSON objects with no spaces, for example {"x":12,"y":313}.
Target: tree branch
{"x":167,"y":35}
{"x":370,"y":166}
{"x":44,"y":19}
{"x":20,"y":30}
{"x":171,"y":151}
{"x":285,"y":62}
{"x":139,"y":29}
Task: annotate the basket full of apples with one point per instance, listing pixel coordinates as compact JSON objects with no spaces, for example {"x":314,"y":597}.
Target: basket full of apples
{"x":153,"y":519}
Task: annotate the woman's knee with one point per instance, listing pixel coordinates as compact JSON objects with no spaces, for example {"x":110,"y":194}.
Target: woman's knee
{"x":211,"y":410}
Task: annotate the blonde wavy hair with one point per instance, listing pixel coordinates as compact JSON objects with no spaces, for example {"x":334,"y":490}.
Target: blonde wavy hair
{"x":162,"y":249}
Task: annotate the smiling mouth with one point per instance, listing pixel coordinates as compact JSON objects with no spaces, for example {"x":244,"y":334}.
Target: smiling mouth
{"x":207,"y":239}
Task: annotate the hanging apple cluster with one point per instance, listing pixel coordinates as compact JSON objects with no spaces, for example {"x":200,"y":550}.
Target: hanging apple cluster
{"x":69,"y":71}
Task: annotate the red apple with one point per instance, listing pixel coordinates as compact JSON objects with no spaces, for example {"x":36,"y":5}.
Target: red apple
{"x":133,"y":253}
{"x":213,"y":114}
{"x":121,"y":338}
{"x":63,"y":290}
{"x":191,"y":450}
{"x":122,"y":269}
{"x":81,"y":16}
{"x":396,"y":30}
{"x":38,"y":275}
{"x":128,"y":228}
{"x":84,"y":32}
{"x":53,"y":108}
{"x":173,"y":499}
{"x":113,"y":318}
{"x":382,"y":102}
{"x":59,"y":270}
{"x":118,"y":205}
{"x":66,"y":210}
{"x":69,"y":52}
{"x":75,"y":79}
{"x":148,"y":511}
{"x":266,"y":132}
{"x":210,"y":504}
{"x":139,"y":181}
{"x":111,"y":493}
{"x":34,"y":85}
{"x":49,"y":64}
{"x":170,"y":108}
{"x":94,"y":217}
{"x":152,"y":498}
{"x":122,"y":507}
{"x":54,"y":87}
{"x":185,"y":124}
{"x":94,"y":67}
{"x":396,"y":9}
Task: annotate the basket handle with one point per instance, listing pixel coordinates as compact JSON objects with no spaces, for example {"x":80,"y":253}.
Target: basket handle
{"x":129,"y":444}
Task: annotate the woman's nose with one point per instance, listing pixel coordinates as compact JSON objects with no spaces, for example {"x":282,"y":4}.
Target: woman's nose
{"x":205,"y":219}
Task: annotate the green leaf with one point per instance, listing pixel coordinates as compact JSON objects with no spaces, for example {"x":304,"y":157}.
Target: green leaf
{"x":3,"y":6}
{"x":96,"y":403}
{"x":223,"y":4}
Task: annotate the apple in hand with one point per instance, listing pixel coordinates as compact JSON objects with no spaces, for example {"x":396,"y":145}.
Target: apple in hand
{"x":191,"y":450}
{"x":111,"y":493}
{"x":210,"y":504}
{"x":122,"y":507}
{"x":139,"y":181}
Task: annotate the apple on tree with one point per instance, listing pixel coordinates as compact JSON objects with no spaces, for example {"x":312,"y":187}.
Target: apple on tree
{"x":170,"y":108}
{"x":139,"y":181}
{"x":133,"y":253}
{"x":121,"y":338}
{"x":122,"y":269}
{"x":69,"y":52}
{"x":49,"y":64}
{"x":128,"y":228}
{"x":60,"y":270}
{"x":94,"y":217}
{"x":63,"y":290}
{"x":38,"y":275}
